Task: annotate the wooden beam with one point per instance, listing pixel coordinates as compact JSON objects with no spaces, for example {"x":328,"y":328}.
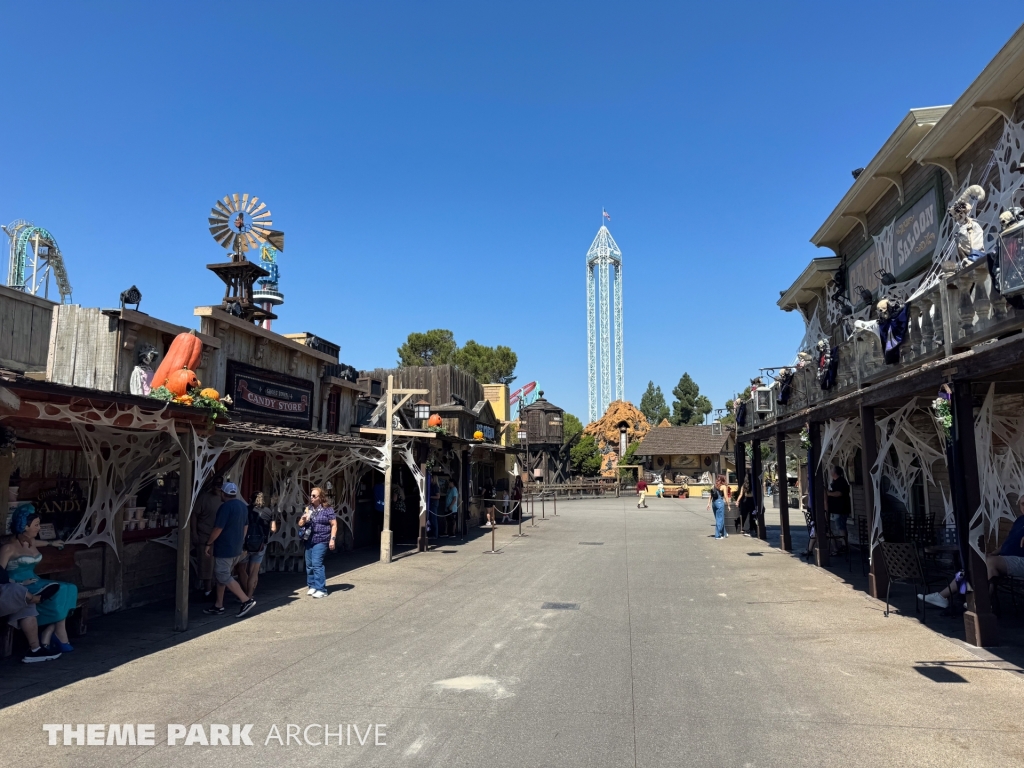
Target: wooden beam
{"x":184,"y":508}
{"x":980,"y":624}
{"x":821,"y":521}
{"x":785,"y":537}
{"x":878,"y":578}
{"x":398,"y":432}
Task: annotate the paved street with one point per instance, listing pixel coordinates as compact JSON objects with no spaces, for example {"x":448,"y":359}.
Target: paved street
{"x":683,"y":651}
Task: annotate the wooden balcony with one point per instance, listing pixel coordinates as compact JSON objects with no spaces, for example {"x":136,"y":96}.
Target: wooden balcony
{"x":959,"y":313}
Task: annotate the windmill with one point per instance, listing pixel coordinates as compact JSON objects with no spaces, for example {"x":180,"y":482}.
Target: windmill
{"x":241,"y":223}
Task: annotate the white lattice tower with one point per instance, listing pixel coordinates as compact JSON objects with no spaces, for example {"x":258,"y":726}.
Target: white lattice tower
{"x":604,"y":254}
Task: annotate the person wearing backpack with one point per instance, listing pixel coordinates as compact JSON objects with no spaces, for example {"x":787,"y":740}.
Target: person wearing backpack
{"x":262,"y":523}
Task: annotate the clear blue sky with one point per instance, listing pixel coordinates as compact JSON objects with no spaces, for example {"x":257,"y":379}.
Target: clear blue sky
{"x":445,"y":165}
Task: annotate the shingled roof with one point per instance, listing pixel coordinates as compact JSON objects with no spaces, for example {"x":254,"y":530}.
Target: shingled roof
{"x":682,"y":441}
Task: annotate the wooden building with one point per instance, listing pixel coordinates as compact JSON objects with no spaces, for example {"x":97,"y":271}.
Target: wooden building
{"x":870,"y":373}
{"x":547,"y":458}
{"x":684,"y":454}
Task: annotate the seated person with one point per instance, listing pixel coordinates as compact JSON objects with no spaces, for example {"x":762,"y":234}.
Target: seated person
{"x":18,"y":606}
{"x":1008,"y":562}
{"x":19,"y":557}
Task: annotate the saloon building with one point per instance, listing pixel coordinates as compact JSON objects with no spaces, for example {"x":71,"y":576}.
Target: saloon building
{"x":909,"y":374}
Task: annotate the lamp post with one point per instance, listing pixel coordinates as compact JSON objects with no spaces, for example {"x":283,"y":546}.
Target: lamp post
{"x":387,"y":537}
{"x":524,"y":441}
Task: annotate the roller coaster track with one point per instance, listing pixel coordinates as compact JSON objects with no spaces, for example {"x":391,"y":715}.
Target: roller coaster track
{"x":28,"y":242}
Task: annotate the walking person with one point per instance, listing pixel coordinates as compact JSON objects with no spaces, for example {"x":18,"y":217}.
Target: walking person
{"x":451,"y":509}
{"x":717,"y":500}
{"x":225,"y":545}
{"x":262,"y":523}
{"x":489,"y":506}
{"x":322,"y":524}
{"x":201,"y":524}
{"x":747,"y":505}
{"x":641,"y":492}
{"x":837,"y":503}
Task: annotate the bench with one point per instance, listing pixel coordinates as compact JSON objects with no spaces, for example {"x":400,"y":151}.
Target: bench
{"x":54,"y":563}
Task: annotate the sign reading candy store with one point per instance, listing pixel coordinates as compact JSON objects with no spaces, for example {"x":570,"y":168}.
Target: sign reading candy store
{"x":269,"y":397}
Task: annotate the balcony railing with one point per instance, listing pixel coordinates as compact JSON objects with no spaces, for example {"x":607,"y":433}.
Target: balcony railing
{"x":960,"y":312}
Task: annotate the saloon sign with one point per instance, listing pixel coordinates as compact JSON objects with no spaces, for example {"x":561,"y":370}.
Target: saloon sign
{"x":274,"y":398}
{"x":914,"y":235}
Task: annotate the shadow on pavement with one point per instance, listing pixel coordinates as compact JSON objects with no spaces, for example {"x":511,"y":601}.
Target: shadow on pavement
{"x":119,"y":638}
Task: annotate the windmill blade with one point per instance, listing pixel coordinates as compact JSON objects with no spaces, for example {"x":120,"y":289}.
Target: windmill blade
{"x":245,"y":200}
{"x":260,"y":216}
{"x":218,"y":232}
{"x":256,"y":210}
{"x":234,"y":197}
{"x":226,"y":239}
{"x":227,"y":204}
{"x":276,"y":239}
{"x":219,"y":206}
{"x":252,"y":204}
{"x":217,"y":221}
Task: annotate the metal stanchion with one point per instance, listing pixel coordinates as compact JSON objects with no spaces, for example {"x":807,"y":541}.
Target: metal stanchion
{"x":532,"y":523}
{"x":542,"y":517}
{"x":554,"y":504}
{"x":492,"y":550}
{"x":520,"y":534}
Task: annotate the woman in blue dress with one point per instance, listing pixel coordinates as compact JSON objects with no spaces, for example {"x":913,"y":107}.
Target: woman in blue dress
{"x":20,"y":556}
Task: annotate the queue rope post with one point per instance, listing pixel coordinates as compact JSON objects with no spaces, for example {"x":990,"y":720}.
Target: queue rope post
{"x":493,"y":550}
{"x":532,"y":523}
{"x":520,"y":534}
{"x":542,"y":516}
{"x":554,"y":504}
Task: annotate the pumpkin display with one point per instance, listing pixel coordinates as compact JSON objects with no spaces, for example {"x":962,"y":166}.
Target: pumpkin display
{"x":434,"y":420}
{"x":478,"y":435}
{"x":185,"y":352}
{"x":181,"y":381}
{"x":211,"y":393}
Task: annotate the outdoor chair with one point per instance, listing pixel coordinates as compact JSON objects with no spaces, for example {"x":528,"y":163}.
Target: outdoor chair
{"x":862,"y":541}
{"x":903,"y":564}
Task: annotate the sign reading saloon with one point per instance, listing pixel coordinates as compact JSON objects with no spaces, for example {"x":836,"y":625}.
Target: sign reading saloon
{"x":270,"y":397}
{"x":914,"y":235}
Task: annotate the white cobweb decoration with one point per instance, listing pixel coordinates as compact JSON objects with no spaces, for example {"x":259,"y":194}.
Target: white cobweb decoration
{"x":120,"y":462}
{"x":840,"y":439}
{"x":812,"y":332}
{"x":916,"y":453}
{"x":405,"y":452}
{"x":999,"y":436}
{"x":1004,"y":192}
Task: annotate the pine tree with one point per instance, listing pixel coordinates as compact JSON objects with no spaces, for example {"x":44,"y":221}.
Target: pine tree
{"x":652,"y":404}
{"x":690,"y":406}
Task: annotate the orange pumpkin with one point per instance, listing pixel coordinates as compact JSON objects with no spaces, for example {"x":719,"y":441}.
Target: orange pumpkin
{"x":185,"y":352}
{"x":181,"y":381}
{"x":434,"y":420}
{"x":211,"y":393}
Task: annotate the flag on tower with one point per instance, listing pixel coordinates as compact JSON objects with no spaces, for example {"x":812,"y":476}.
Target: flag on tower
{"x":606,"y":214}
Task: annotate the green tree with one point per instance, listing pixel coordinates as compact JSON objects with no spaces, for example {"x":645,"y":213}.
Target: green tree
{"x":652,"y":404}
{"x":571,"y":426}
{"x":690,"y":406}
{"x":436,"y":347}
{"x":490,"y":365}
{"x":585,"y":457}
{"x":629,"y":459}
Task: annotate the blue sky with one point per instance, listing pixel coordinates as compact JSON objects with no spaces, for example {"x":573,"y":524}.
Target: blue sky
{"x":445,"y":164}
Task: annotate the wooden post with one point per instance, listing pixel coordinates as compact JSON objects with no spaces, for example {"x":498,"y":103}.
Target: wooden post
{"x":980,"y":624}
{"x":184,"y":509}
{"x":421,"y":544}
{"x":387,"y":537}
{"x":757,"y":486}
{"x":785,"y":538}
{"x":741,"y":462}
{"x":821,"y":522}
{"x":878,"y":578}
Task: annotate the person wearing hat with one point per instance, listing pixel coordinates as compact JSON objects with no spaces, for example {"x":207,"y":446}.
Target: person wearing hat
{"x":225,"y":544}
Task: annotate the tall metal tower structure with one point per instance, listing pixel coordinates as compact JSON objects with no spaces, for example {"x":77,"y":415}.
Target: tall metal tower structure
{"x":34,"y":256}
{"x":604,"y":255}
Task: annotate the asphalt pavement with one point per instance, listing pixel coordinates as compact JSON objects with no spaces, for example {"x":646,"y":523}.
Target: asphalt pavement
{"x":610,"y":636}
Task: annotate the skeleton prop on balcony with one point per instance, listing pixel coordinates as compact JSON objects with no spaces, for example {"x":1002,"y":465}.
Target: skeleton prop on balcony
{"x":970,"y":236}
{"x":142,"y":375}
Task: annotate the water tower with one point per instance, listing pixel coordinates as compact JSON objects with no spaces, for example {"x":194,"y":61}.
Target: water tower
{"x":268,"y":294}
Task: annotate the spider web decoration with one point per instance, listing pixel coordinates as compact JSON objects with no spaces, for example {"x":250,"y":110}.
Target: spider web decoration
{"x":120,"y":462}
{"x":812,"y":333}
{"x":115,"y":415}
{"x":1002,"y":192}
{"x":840,"y":439}
{"x":405,"y":452}
{"x":915,"y":455}
{"x":203,"y":459}
{"x":999,"y":435}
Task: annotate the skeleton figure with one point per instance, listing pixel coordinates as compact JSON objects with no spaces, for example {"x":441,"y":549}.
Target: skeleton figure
{"x":970,"y":237}
{"x":141,"y":382}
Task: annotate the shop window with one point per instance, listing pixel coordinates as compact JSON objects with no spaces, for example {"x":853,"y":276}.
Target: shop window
{"x":333,"y":406}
